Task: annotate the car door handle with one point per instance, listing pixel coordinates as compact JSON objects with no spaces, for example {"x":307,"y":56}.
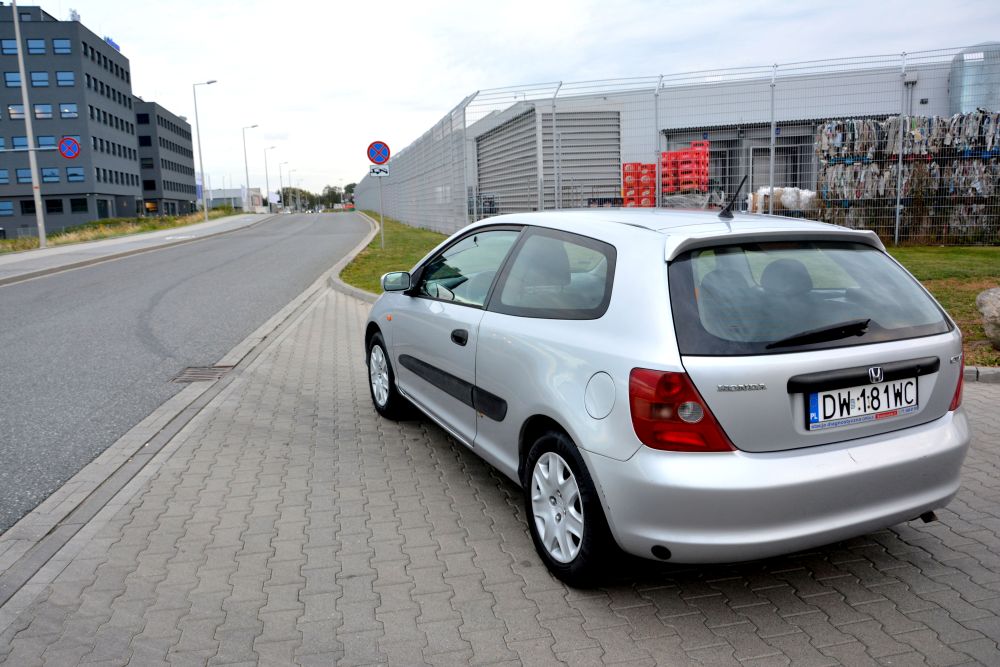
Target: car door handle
{"x":459,"y":336}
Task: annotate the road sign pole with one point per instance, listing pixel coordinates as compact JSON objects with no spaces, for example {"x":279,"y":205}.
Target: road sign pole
{"x":381,"y":216}
{"x":378,"y":154}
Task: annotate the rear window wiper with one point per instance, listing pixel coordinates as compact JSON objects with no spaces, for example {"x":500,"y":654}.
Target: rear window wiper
{"x":834,"y":332}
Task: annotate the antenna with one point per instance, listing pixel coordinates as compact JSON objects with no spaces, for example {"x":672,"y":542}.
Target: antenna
{"x":727,"y":213}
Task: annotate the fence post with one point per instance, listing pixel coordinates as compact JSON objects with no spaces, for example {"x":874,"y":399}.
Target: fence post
{"x":899,"y":157}
{"x":656,"y":151}
{"x":774,"y":126}
{"x":465,"y":158}
{"x":555,"y":153}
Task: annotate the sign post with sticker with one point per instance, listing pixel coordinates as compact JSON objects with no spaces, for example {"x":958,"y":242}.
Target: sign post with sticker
{"x":378,"y":154}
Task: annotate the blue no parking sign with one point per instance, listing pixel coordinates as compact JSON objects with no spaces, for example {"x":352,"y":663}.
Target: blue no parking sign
{"x":69,"y":148}
{"x":378,"y":152}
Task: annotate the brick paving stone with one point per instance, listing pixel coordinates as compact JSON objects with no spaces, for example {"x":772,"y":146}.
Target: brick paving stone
{"x":291,"y":525}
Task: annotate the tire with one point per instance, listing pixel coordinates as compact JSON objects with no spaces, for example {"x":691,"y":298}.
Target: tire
{"x":565,"y":516}
{"x":386,"y":398}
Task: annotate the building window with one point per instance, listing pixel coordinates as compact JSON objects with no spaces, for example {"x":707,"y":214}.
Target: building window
{"x":74,"y":174}
{"x":149,"y":185}
{"x":4,"y":176}
{"x":6,"y":209}
{"x":145,"y":140}
{"x":69,"y":110}
{"x":78,"y":205}
{"x":23,"y":175}
{"x":142,"y":119}
{"x":39,"y":79}
{"x":15,"y":111}
{"x":146,"y":163}
{"x":19,"y":142}
{"x":43,"y":111}
{"x":8,"y":47}
{"x":50,"y":174}
{"x":12,"y":79}
{"x":61,"y":47}
{"x":36,"y":47}
{"x":46,"y":141}
{"x":25,"y":17}
{"x":53,"y":205}
{"x":65,"y":79}
{"x":28,"y":207}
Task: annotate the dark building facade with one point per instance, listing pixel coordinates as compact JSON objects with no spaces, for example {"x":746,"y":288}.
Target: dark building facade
{"x":79,"y":86}
{"x":166,"y":160}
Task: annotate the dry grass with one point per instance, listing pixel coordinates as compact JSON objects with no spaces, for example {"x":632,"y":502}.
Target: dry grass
{"x":110,"y":228}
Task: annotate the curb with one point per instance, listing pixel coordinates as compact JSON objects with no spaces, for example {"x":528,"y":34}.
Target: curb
{"x":36,"y":544}
{"x":335,"y":281}
{"x":106,"y":258}
{"x":982,"y":374}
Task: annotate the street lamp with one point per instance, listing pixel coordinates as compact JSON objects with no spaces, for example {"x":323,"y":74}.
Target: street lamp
{"x":246,"y":167}
{"x":290,"y":172}
{"x":281,"y":184}
{"x":197,"y":131}
{"x":267,"y":181}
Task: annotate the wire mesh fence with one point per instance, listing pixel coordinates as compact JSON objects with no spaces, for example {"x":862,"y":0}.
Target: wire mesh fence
{"x":907,"y":145}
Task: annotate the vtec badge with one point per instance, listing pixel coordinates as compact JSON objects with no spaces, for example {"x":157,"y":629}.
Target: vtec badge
{"x":742,"y":387}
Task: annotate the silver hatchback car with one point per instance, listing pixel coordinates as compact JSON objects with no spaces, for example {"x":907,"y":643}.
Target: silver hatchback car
{"x":687,"y":388}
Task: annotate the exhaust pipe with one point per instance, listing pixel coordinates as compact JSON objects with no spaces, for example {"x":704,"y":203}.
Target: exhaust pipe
{"x":928,"y":517}
{"x":661,"y":552}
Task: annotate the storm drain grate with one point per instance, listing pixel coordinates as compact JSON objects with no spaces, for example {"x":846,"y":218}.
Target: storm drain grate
{"x":201,"y":374}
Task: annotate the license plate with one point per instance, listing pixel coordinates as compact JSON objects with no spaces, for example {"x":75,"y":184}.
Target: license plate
{"x":857,"y":405}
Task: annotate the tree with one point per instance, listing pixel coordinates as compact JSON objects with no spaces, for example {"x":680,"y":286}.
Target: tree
{"x":349,"y":191}
{"x":331,"y":195}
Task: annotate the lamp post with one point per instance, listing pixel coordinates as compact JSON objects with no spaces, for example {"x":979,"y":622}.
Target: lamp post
{"x":29,"y":130}
{"x":246,"y":167}
{"x":281,"y":183}
{"x":267,"y":180}
{"x":290,"y":172}
{"x":197,"y":131}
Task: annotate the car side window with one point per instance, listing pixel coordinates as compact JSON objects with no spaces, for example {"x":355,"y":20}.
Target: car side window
{"x":464,"y":272}
{"x":558,"y":275}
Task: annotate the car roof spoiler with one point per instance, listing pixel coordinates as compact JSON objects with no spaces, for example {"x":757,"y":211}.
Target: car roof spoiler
{"x":677,"y":244}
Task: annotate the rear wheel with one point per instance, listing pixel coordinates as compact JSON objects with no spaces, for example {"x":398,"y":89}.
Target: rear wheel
{"x":565,"y":516}
{"x":386,"y":398}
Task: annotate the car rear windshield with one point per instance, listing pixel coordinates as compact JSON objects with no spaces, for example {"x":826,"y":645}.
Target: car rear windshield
{"x":790,"y":296}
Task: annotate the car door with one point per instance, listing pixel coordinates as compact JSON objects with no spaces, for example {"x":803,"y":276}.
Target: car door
{"x":436,"y":334}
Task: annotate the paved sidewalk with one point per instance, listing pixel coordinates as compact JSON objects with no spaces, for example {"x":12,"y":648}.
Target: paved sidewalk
{"x":18,"y":265}
{"x":288,"y":524}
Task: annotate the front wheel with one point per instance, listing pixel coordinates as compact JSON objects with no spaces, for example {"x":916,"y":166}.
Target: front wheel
{"x":565,"y":516}
{"x":386,"y":398}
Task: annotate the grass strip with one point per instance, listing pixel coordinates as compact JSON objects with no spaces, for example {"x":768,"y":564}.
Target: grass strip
{"x":111,"y":228}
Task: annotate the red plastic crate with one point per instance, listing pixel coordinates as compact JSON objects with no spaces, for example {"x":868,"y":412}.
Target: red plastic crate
{"x":630,"y":202}
{"x":630,"y":179}
{"x":630,"y":192}
{"x":630,"y":166}
{"x":646,"y":192}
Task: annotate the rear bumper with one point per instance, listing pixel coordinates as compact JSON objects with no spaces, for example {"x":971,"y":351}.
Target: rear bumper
{"x":729,"y":507}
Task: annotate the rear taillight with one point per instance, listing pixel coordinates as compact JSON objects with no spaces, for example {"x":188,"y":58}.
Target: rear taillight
{"x":668,"y":413}
{"x":956,"y":400}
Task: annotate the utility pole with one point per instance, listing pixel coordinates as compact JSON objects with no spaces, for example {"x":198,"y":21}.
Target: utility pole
{"x":36,"y":188}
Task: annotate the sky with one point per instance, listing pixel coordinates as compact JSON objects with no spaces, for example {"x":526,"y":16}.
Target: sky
{"x":322,"y":79}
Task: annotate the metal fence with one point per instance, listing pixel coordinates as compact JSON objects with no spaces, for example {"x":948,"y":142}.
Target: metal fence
{"x":907,"y":145}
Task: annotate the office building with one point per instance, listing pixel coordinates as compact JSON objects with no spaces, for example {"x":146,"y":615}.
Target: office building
{"x":166,"y":160}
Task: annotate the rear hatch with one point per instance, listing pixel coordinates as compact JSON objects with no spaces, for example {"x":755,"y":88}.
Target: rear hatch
{"x":802,"y":343}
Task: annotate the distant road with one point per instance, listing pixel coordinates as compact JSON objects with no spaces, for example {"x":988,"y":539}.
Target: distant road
{"x":87,"y":354}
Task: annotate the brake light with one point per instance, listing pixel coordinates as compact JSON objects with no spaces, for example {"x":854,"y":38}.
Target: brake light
{"x":956,"y":400}
{"x":668,"y":413}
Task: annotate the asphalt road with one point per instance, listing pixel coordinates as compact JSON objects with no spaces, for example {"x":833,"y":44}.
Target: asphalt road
{"x":87,"y":354}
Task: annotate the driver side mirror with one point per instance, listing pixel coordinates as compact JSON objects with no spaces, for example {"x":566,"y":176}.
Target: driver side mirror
{"x":396,"y":281}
